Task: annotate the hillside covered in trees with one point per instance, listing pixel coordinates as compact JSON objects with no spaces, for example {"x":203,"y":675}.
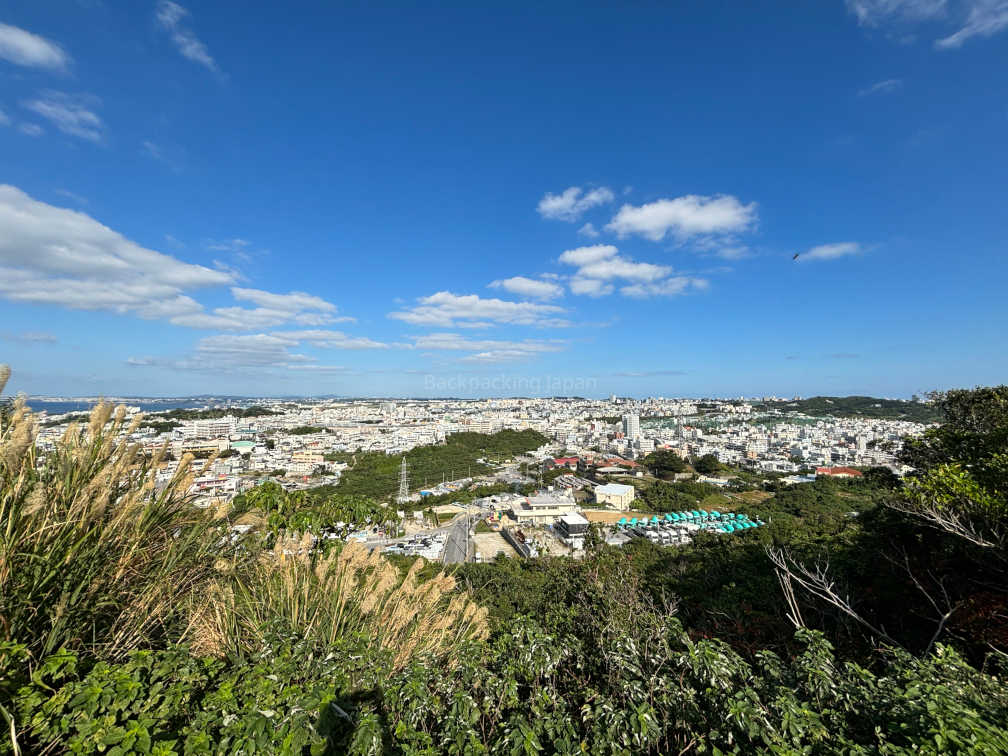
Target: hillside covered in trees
{"x":377,"y":474}
{"x":911,"y":410}
{"x":868,"y":617}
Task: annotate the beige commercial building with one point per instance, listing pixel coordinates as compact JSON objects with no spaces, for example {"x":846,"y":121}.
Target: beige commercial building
{"x":615,"y":495}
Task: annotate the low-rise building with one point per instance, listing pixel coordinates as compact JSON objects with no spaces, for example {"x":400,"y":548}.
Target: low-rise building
{"x":542,"y":509}
{"x":615,"y":495}
{"x":572,"y":529}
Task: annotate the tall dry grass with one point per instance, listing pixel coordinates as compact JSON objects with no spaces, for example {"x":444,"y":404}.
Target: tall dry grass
{"x":95,"y":557}
{"x":349,"y":592}
{"x":92,"y":555}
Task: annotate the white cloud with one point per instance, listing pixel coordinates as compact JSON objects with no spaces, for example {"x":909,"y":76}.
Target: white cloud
{"x":831,"y":251}
{"x":457,"y":342}
{"x":229,"y":351}
{"x":31,"y":129}
{"x":52,"y":255}
{"x":446,"y":309}
{"x":242,"y":350}
{"x":599,"y":266}
{"x":589,"y":231}
{"x":4,"y":119}
{"x":71,"y":114}
{"x":330,"y":339}
{"x":529,"y":287}
{"x":986,"y":18}
{"x":321,"y":368}
{"x":590,"y":287}
{"x":588,"y":255}
{"x":27,"y":49}
{"x":876,"y":12}
{"x":57,"y":256}
{"x":170,"y":17}
{"x":295,"y":300}
{"x":684,"y":217}
{"x":488,"y":350}
{"x":882,"y":87}
{"x":497,"y":355}
{"x":668,"y":287}
{"x":619,"y":267}
{"x":296,"y":308}
{"x":571,"y":204}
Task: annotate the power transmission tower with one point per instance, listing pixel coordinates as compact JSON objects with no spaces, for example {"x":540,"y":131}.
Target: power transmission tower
{"x":403,"y":482}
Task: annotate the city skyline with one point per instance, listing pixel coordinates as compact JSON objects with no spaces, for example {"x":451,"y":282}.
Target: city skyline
{"x":464,"y":202}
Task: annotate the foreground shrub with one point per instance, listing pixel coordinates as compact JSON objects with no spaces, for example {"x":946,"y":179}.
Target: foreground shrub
{"x":291,"y":697}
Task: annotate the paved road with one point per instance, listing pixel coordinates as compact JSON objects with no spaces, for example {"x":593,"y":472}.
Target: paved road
{"x":455,"y":546}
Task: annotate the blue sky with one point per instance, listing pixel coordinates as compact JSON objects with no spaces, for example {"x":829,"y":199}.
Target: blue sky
{"x":239,"y":197}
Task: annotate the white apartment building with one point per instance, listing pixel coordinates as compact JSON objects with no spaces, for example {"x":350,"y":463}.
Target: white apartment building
{"x":219,"y":428}
{"x":631,"y":427}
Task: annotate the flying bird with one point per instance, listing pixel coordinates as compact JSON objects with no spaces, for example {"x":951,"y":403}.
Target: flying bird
{"x":796,"y":256}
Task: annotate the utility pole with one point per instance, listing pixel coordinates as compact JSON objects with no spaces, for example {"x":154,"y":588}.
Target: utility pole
{"x":403,"y":482}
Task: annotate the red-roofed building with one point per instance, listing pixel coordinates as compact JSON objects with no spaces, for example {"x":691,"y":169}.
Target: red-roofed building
{"x":838,"y":472}
{"x":568,"y":462}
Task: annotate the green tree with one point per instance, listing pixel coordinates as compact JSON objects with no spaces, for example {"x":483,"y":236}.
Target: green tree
{"x":664,"y":463}
{"x":708,"y":464}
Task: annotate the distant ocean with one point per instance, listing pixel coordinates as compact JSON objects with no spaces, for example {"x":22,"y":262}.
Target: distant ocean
{"x":147,"y":405}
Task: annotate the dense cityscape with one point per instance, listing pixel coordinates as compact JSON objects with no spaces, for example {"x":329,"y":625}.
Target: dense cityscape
{"x":606,"y":446}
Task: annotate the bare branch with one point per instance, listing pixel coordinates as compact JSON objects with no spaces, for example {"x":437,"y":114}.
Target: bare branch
{"x":944,"y":519}
{"x":818,"y":583}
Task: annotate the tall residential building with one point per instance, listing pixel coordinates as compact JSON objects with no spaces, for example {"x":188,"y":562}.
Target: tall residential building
{"x":631,"y":426}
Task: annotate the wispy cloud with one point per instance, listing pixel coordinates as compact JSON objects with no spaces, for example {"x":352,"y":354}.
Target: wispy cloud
{"x":684,"y":217}
{"x":4,"y":119}
{"x":974,"y":18}
{"x":31,"y":129}
{"x":573,"y":202}
{"x":886,"y":86}
{"x":171,"y":16}
{"x":588,"y":231}
{"x":985,"y":19}
{"x":877,"y":12}
{"x":31,"y":337}
{"x":831,"y":251}
{"x":26,"y":49}
{"x":71,"y":114}
{"x":488,"y":350}
{"x":648,"y":373}
{"x":445,"y":309}
{"x":529,"y":287}
{"x":171,"y":157}
{"x":71,"y":196}
{"x":227,"y":245}
{"x":230,"y":352}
